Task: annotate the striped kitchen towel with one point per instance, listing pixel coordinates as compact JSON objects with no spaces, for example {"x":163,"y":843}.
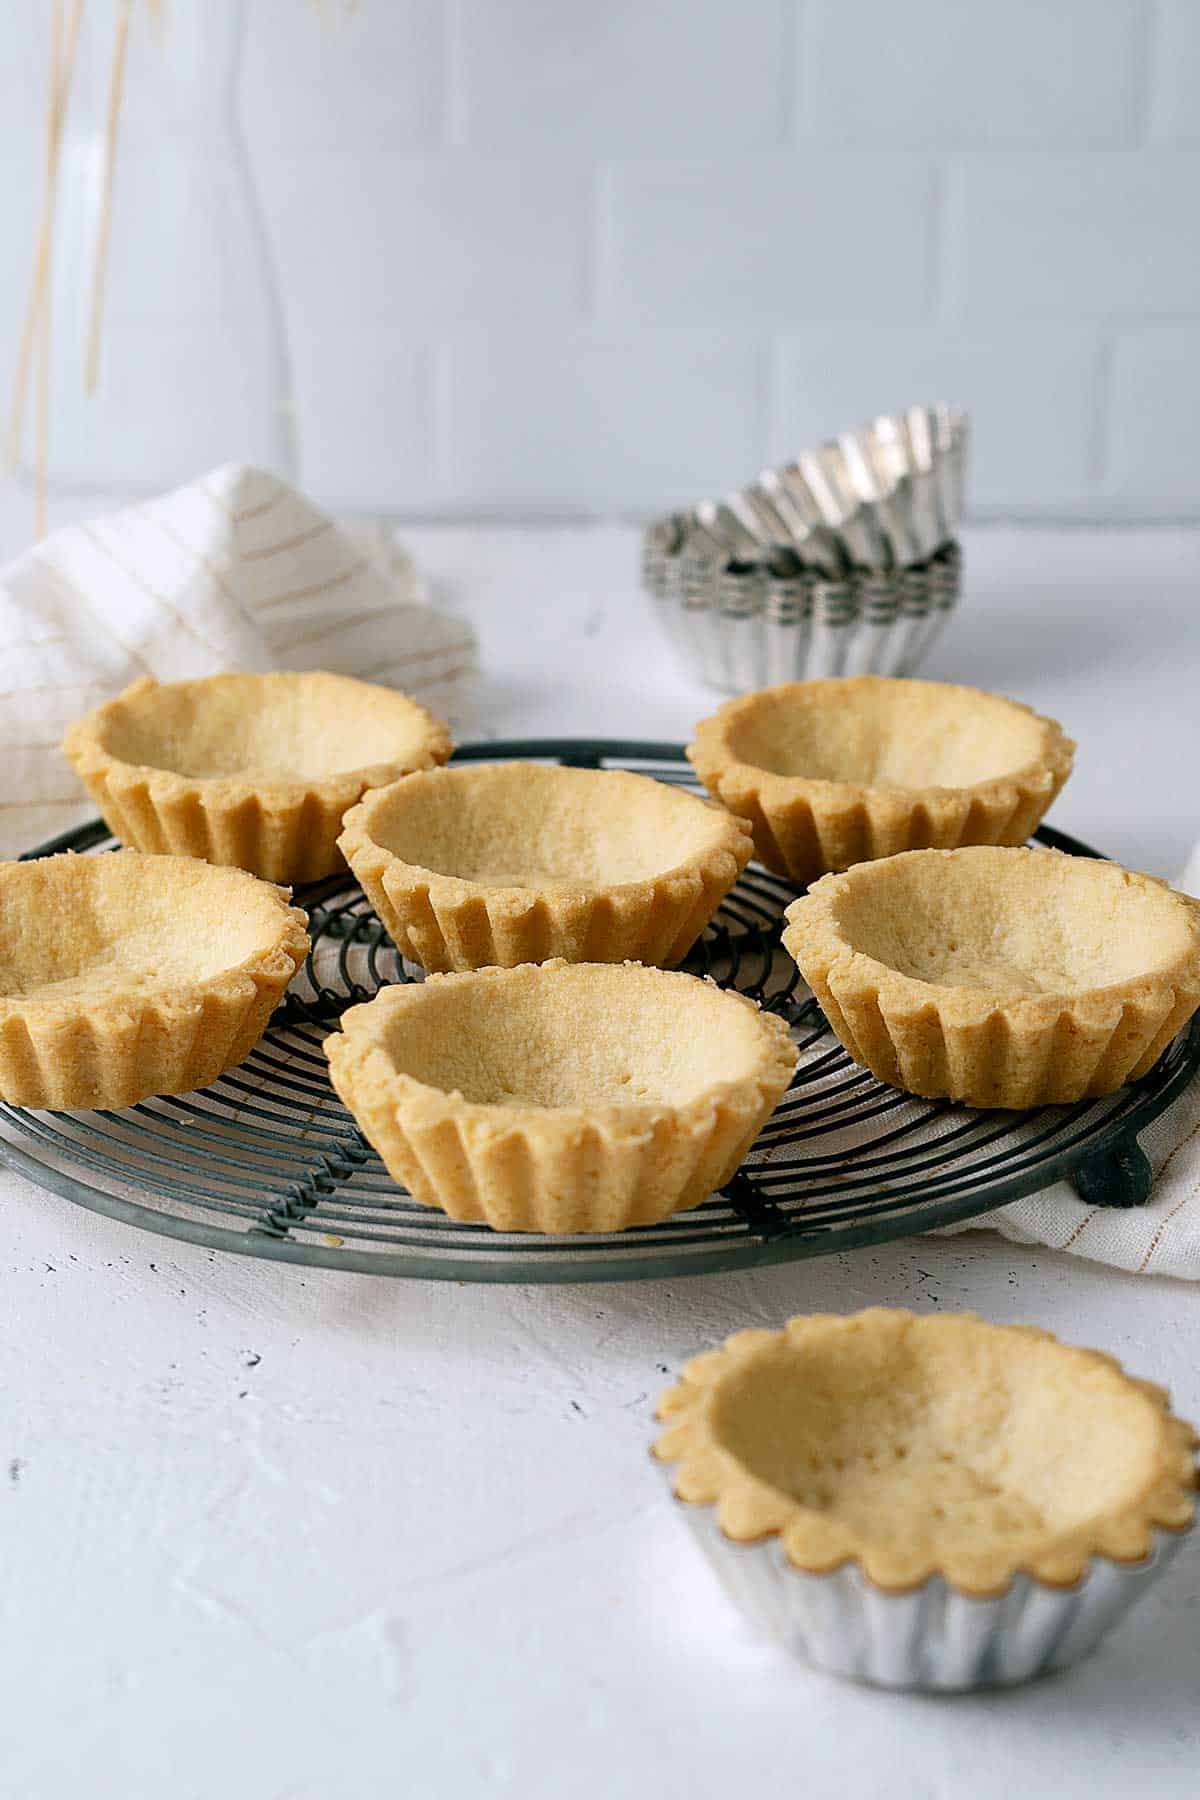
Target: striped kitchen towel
{"x":234,"y":571}
{"x":1160,"y":1238}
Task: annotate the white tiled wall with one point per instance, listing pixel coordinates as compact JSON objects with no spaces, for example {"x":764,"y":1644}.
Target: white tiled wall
{"x":550,"y":257}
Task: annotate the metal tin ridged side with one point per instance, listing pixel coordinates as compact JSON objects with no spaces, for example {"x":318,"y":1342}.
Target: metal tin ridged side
{"x":749,"y":625}
{"x":933,"y":1638}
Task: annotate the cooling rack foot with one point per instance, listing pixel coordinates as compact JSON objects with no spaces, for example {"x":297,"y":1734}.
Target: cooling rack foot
{"x":1117,"y":1175}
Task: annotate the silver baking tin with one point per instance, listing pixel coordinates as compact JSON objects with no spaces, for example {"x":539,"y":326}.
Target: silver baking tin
{"x":746,"y":625}
{"x":881,"y":497}
{"x":934,"y":1639}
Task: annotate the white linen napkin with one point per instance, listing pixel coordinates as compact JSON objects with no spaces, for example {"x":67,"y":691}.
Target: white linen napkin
{"x":234,"y":571}
{"x":1160,"y":1238}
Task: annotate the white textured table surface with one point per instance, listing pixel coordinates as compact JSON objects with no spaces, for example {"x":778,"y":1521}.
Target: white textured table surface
{"x":269,"y":1535}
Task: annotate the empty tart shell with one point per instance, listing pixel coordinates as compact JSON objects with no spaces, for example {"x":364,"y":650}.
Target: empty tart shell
{"x":128,"y":975}
{"x":508,"y":863}
{"x":249,"y":771}
{"x":831,"y":773}
{"x":917,"y":1447}
{"x":561,"y":1097}
{"x":999,"y":977}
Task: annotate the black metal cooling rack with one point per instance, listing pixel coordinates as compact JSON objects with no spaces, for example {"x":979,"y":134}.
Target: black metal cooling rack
{"x":268,"y":1162}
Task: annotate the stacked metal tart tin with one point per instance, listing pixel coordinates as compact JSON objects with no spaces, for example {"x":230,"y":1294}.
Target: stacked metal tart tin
{"x":844,"y":562}
{"x":931,"y":1638}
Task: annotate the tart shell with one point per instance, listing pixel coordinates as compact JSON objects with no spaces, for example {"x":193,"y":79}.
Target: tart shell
{"x":557,"y":1169}
{"x":984,"y":1048}
{"x":106,"y":1042}
{"x":445,"y":922}
{"x":284,"y":830}
{"x":816,"y":1540}
{"x":804,"y":827}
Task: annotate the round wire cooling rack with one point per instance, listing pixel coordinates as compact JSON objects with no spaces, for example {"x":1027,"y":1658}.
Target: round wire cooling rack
{"x":268,"y":1162}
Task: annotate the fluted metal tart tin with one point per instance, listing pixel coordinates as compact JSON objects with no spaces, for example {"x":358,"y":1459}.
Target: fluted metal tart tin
{"x":842,"y":562}
{"x":932,"y":1638}
{"x":750,"y":625}
{"x":881,"y":497}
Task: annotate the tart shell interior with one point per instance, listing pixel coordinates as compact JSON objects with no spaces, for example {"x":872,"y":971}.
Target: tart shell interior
{"x":594,"y":1036}
{"x":1012,"y":922}
{"x":89,"y":928}
{"x":523,"y":825}
{"x":264,"y":728}
{"x":886,"y":734}
{"x":928,"y":1450}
